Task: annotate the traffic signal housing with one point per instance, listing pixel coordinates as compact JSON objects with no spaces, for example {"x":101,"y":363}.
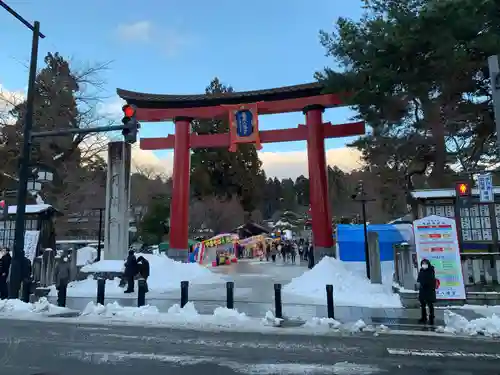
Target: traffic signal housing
{"x":130,"y":123}
{"x":463,"y":194}
{"x":463,"y":189}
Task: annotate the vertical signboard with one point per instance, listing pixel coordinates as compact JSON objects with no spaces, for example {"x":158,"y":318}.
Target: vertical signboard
{"x":436,"y":240}
{"x":485,"y":183}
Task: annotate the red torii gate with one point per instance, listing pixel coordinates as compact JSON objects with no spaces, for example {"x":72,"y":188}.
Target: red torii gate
{"x":181,"y":109}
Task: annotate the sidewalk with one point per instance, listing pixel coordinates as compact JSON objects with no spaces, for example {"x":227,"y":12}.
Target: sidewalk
{"x":394,"y":318}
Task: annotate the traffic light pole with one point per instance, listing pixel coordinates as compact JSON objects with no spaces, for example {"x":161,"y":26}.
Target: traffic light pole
{"x":63,"y":132}
{"x":15,"y":275}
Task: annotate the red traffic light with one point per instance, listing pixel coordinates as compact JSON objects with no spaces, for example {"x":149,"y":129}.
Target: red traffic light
{"x":128,"y":110}
{"x":2,"y":204}
{"x":462,"y":189}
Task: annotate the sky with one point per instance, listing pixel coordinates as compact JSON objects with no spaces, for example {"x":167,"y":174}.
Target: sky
{"x":178,"y":47}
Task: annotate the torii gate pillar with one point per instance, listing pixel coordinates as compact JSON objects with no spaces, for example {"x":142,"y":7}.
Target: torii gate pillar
{"x":318,"y":183}
{"x":179,"y":206}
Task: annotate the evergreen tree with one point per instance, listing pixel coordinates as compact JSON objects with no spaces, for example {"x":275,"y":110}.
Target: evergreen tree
{"x":219,"y":172}
{"x":413,"y":69}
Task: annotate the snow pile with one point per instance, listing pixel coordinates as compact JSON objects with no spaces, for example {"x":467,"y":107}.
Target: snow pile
{"x":16,"y":307}
{"x":349,"y":288}
{"x":85,"y":255}
{"x":104,"y":266}
{"x":457,"y":324}
{"x":176,"y":315}
{"x":88,"y":288}
{"x":165,"y":275}
{"x":270,"y":320}
{"x":329,"y":323}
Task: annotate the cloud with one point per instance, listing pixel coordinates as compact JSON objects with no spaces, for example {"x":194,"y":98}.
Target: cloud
{"x":140,"y":31}
{"x":275,"y":164}
{"x":111,"y":109}
{"x":170,"y":41}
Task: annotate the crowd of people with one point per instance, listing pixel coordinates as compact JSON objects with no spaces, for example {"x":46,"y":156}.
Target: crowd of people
{"x":287,"y":250}
{"x":5,"y":263}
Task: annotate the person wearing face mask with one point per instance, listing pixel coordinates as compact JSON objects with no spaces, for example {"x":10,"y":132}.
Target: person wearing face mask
{"x":426,"y":290}
{"x":62,"y":275}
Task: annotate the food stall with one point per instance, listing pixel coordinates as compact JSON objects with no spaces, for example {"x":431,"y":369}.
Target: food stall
{"x":255,"y":246}
{"x":217,"y":250}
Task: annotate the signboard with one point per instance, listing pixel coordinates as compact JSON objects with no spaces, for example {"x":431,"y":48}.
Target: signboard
{"x":218,"y":241}
{"x":485,"y":184}
{"x":244,"y":125}
{"x":436,"y":240}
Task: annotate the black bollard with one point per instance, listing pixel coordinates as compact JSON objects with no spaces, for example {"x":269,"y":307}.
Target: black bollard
{"x":26,"y":290}
{"x":101,"y":290}
{"x":184,"y":293}
{"x":230,"y":295}
{"x":278,"y":308}
{"x":61,"y":295}
{"x":141,"y":293}
{"x":329,"y":301}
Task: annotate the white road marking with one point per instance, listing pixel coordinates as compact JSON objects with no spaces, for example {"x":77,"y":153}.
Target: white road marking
{"x":340,"y":368}
{"x":440,"y":353}
{"x":279,"y":345}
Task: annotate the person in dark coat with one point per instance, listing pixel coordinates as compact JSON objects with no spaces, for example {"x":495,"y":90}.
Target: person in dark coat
{"x":62,"y":275}
{"x":426,"y":290}
{"x":310,"y":257}
{"x":143,"y":269}
{"x":131,"y":269}
{"x":5,"y":262}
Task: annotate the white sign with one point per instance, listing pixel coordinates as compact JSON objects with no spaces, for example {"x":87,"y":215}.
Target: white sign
{"x":485,"y":182}
{"x":436,"y":240}
{"x":31,"y":244}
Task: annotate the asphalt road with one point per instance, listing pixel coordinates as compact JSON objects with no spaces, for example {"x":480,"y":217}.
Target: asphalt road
{"x":30,"y":347}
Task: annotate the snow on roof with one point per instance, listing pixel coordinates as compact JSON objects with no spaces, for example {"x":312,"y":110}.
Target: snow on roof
{"x":444,"y":193}
{"x":32,"y":208}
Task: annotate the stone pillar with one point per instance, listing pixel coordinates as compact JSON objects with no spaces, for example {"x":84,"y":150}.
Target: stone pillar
{"x":374,"y":258}
{"x":116,"y":221}
{"x":320,"y":202}
{"x":179,"y":208}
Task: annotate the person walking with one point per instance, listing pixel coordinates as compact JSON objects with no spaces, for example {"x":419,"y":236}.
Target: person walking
{"x":62,"y":275}
{"x":274,"y":251}
{"x":426,"y":291}
{"x":143,"y":269}
{"x":131,"y":270}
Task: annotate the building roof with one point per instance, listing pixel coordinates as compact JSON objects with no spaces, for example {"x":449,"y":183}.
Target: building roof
{"x":444,"y":193}
{"x":33,"y":209}
{"x":149,"y":100}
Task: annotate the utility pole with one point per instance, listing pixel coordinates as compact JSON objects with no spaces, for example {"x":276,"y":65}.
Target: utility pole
{"x":15,"y":275}
{"x":494,"y":68}
{"x":361,"y":197}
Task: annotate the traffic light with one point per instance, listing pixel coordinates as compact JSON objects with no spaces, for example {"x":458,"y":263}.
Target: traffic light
{"x":463,"y":189}
{"x":4,"y":209}
{"x":131,"y":125}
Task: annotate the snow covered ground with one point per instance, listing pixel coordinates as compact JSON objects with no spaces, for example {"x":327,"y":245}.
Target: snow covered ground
{"x":165,"y":275}
{"x":457,"y":324}
{"x":16,"y":308}
{"x":350,"y":285}
{"x":176,"y":317}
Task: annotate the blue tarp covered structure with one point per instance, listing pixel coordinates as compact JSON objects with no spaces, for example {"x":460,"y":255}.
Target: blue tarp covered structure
{"x":350,"y":240}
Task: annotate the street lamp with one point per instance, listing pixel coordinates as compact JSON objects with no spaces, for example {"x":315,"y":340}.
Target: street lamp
{"x":22,"y":193}
{"x":361,"y":196}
